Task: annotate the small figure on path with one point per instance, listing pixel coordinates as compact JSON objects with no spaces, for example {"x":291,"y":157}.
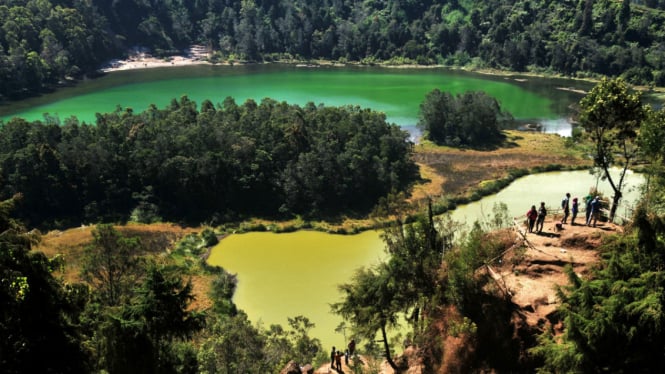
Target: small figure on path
{"x":346,"y":357}
{"x":587,"y":201}
{"x":595,"y":211}
{"x":352,"y":347}
{"x":542,"y":212}
{"x":531,"y":217}
{"x":332,"y":358}
{"x":575,"y":209}
{"x":565,"y":205}
{"x":338,"y":361}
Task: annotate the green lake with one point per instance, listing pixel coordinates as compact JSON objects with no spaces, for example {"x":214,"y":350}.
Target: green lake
{"x":285,"y":275}
{"x":396,"y":92}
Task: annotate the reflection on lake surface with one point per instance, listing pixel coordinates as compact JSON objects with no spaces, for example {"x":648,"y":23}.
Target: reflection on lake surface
{"x":396,"y":92}
{"x":285,"y":275}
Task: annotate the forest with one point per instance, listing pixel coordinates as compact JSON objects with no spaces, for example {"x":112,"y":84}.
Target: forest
{"x":45,"y":43}
{"x":214,"y":163}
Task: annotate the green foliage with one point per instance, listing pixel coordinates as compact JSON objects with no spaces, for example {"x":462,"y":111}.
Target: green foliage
{"x":39,"y":316}
{"x":464,"y":327}
{"x":110,"y":265}
{"x":651,"y":135}
{"x":190,"y":245}
{"x":475,"y":249}
{"x":234,"y":346}
{"x":614,"y":320}
{"x":46,"y":42}
{"x":210,"y":164}
{"x":611,"y":115}
{"x":221,"y":293}
{"x":209,"y":237}
{"x":406,"y":286}
{"x":470,"y":119}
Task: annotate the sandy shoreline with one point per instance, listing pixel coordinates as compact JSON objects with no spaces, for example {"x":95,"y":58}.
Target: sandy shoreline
{"x":152,"y":62}
{"x":140,"y":59}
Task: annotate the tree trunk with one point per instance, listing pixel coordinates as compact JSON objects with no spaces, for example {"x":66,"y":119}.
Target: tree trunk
{"x":386,"y":347}
{"x":615,"y":204}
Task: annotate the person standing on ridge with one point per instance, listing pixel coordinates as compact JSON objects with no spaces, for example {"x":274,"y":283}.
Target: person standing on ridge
{"x":352,"y":347}
{"x":565,"y":206}
{"x":542,"y":212}
{"x":595,"y":211}
{"x":587,"y":201}
{"x":531,"y":217}
{"x":338,"y":361}
{"x":333,"y":354}
{"x":574,"y":209}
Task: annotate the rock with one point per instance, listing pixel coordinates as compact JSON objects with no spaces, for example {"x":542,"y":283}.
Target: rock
{"x":291,"y":368}
{"x":309,"y":369}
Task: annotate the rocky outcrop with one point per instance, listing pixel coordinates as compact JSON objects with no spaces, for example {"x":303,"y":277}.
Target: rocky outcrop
{"x":293,"y":368}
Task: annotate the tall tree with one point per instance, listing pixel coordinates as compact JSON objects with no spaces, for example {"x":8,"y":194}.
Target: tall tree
{"x":652,"y":133}
{"x":369,"y":303}
{"x":611,"y":114}
{"x":110,"y":265}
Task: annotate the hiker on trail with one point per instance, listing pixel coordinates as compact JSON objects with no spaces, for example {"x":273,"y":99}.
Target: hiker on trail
{"x":587,"y":200}
{"x":575,"y":209}
{"x":542,"y":212}
{"x":595,"y":211}
{"x":531,"y":217}
{"x":352,"y":347}
{"x":332,"y":358}
{"x":338,"y":361}
{"x":565,"y":205}
{"x":346,"y":357}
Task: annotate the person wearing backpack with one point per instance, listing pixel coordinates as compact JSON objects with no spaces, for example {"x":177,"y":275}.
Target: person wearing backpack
{"x":565,"y":206}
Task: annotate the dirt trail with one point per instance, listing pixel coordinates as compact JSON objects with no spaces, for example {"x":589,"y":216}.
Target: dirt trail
{"x":531,"y":276}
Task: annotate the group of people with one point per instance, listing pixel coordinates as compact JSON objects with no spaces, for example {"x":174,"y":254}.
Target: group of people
{"x":592,"y":207}
{"x":336,"y":356}
{"x":536,"y":217}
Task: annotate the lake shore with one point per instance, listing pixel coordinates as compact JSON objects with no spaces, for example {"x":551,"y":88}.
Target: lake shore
{"x":198,"y":55}
{"x":151,"y":62}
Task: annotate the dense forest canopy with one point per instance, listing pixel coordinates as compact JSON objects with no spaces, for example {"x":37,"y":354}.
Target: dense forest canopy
{"x":213,"y":163}
{"x":43,"y":42}
{"x":470,"y":119}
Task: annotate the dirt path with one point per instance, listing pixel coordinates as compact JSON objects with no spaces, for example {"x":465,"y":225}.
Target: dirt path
{"x":532,"y":275}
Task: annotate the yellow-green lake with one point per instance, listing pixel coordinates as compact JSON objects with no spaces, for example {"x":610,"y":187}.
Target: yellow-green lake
{"x":285,"y":275}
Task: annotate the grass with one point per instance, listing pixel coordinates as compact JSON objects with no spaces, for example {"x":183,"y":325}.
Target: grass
{"x":461,"y":171}
{"x":156,"y":238}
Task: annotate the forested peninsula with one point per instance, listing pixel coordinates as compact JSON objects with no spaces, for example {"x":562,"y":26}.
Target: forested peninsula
{"x":46,"y":43}
{"x":218,"y":163}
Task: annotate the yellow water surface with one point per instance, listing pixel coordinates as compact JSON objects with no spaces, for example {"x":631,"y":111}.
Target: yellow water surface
{"x":290,"y":274}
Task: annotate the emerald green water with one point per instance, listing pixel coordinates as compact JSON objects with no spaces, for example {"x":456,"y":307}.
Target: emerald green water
{"x":396,"y":92}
